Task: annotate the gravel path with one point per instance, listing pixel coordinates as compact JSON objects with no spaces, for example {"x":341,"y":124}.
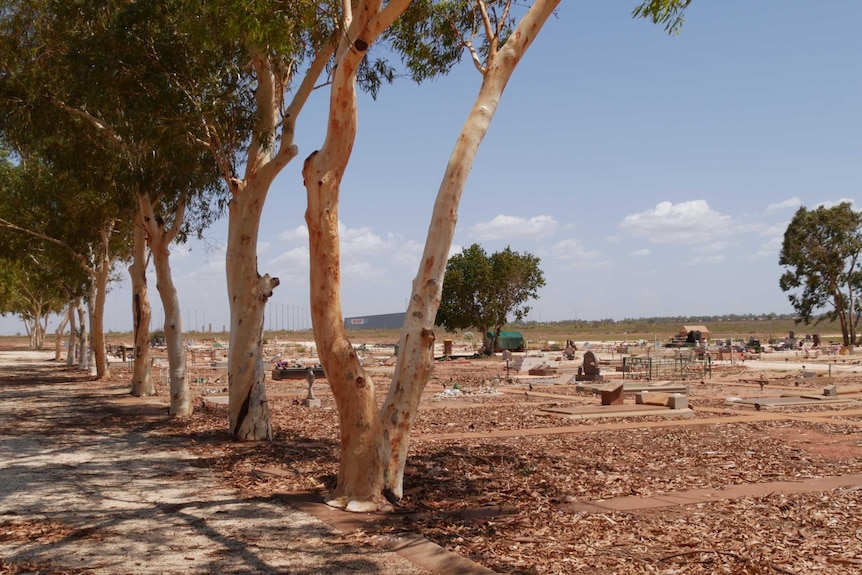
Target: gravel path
{"x":80,"y":493}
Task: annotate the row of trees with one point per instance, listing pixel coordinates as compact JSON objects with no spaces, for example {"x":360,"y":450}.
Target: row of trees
{"x":130,"y":125}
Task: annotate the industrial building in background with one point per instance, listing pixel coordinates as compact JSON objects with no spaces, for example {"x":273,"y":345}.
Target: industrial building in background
{"x":383,"y":321}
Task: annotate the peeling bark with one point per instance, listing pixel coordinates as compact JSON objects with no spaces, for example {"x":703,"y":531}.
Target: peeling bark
{"x":359,"y":468}
{"x":248,"y":293}
{"x":159,"y":239}
{"x":360,"y":480}
{"x":415,"y":361}
{"x":142,"y":384}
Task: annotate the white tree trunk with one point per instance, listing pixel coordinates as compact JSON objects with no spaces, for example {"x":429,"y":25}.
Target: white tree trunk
{"x":58,"y":337}
{"x":360,"y":482}
{"x":248,"y":293}
{"x":247,"y":290}
{"x":39,"y":327}
{"x":142,"y":383}
{"x":159,"y":239}
{"x":98,"y":292}
{"x":360,"y":479}
{"x":33,"y":322}
{"x":415,"y":360}
{"x":83,"y":339}
{"x":71,"y":347}
{"x":44,"y":328}
{"x":92,"y":365}
{"x":181,"y":402}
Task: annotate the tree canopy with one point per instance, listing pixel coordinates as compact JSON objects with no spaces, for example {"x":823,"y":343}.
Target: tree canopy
{"x":820,"y":252}
{"x":485,"y":292}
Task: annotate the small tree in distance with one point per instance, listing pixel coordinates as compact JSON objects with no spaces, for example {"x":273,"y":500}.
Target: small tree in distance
{"x":484,"y":292}
{"x":821,"y":253}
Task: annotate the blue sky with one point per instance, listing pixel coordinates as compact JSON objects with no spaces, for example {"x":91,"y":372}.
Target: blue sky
{"x":653,"y":175}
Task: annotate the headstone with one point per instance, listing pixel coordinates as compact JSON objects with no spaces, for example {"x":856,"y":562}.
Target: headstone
{"x":590,"y":371}
{"x":612,"y":393}
{"x":310,"y":401}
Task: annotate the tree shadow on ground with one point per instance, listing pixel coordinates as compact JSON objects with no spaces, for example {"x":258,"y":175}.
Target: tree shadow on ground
{"x":117,"y":476}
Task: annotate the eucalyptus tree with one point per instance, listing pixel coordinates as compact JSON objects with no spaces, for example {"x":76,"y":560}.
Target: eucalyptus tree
{"x":495,"y":41}
{"x":485,"y":292}
{"x":66,"y":202}
{"x":281,"y":50}
{"x":374,"y":443}
{"x":78,"y":207}
{"x":143,"y":91}
{"x":822,"y":257}
{"x":119,"y":69}
{"x":24,"y":294}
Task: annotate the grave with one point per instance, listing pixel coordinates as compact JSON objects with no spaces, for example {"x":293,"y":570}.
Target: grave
{"x":585,"y":412}
{"x":543,"y":369}
{"x":295,"y":372}
{"x":612,"y":393}
{"x":671,"y":400}
{"x":310,"y":400}
{"x":589,"y":371}
{"x":631,"y":386}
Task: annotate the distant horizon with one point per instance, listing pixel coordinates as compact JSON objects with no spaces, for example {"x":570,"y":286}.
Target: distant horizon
{"x":656,"y":319}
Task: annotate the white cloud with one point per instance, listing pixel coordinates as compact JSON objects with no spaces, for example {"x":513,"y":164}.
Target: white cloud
{"x":180,"y":251}
{"x":407,"y":254}
{"x":774,"y":230}
{"x":713,"y":247}
{"x":298,"y":234}
{"x":355,"y":241}
{"x":574,"y":253}
{"x":769,"y":249}
{"x":363,"y":272}
{"x":505,"y":227}
{"x":692,"y":222}
{"x":295,"y":258}
{"x":573,"y":249}
{"x":698,"y":260}
{"x":640,"y":253}
{"x":793,"y":202}
{"x":365,"y":256}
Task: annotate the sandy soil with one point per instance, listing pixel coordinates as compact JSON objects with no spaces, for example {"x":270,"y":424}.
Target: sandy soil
{"x":81,"y":493}
{"x":97,"y":481}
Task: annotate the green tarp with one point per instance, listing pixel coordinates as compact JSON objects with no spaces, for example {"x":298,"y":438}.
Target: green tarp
{"x":511,"y":340}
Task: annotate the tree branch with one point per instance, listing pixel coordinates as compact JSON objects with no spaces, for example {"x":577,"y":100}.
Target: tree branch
{"x":101,"y":126}
{"x":81,"y":259}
